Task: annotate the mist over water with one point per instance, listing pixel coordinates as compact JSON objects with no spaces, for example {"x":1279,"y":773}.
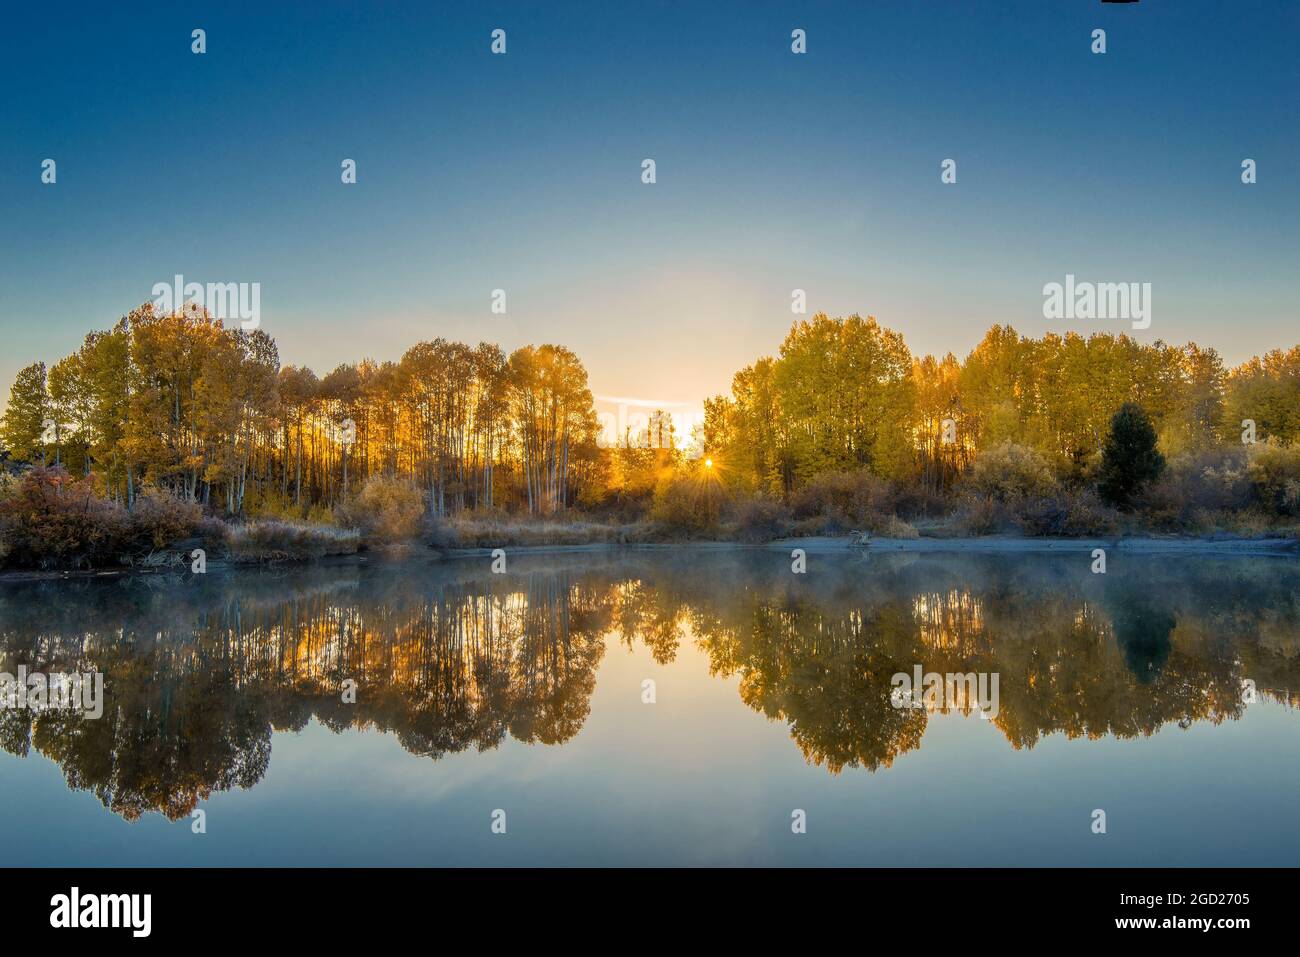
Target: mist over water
{"x":1130,"y":691}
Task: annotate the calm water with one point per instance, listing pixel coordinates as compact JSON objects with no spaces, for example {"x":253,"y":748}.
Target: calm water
{"x":524,"y":692}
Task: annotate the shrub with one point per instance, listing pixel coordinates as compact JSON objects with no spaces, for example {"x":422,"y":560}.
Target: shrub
{"x":982,"y":516}
{"x":8,"y":485}
{"x":51,"y":521}
{"x":1129,"y":459}
{"x":1070,"y":513}
{"x":158,"y":519}
{"x":850,"y":499}
{"x":895,"y":527}
{"x":1194,"y":487}
{"x":687,"y":504}
{"x":275,"y":541}
{"x":1009,"y":472}
{"x":387,"y":510}
{"x":1167,"y":506}
{"x":214,"y":532}
{"x":438,"y":533}
{"x":1274,"y":472}
{"x":822,"y":525}
{"x":920,"y":499}
{"x":1214,"y":481}
{"x":761,"y":520}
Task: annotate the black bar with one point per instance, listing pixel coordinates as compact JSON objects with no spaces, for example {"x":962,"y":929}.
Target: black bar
{"x":369,"y":906}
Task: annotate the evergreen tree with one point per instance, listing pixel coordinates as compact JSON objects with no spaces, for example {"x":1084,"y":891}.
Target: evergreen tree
{"x":1129,"y":459}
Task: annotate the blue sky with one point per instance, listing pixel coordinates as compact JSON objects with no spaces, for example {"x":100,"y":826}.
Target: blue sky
{"x":775,"y":171}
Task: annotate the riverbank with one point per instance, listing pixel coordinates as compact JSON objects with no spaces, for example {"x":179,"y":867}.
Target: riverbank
{"x":1011,"y":544}
{"x":815,"y":544}
{"x":992,"y":544}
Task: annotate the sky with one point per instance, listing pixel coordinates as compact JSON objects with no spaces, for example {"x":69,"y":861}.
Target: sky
{"x":775,"y":171}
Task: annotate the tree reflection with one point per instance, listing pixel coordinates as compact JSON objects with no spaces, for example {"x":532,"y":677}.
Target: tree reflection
{"x":1078,"y":654}
{"x":199,"y":675}
{"x":451,"y":658}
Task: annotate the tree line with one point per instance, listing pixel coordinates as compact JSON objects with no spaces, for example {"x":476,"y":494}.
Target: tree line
{"x":846,"y":394}
{"x":179,"y":402}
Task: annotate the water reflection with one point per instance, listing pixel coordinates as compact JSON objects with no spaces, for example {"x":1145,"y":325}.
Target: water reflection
{"x":450,"y":658}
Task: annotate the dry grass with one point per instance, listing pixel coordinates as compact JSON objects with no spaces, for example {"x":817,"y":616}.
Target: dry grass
{"x":489,"y":531}
{"x":265,"y":542}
